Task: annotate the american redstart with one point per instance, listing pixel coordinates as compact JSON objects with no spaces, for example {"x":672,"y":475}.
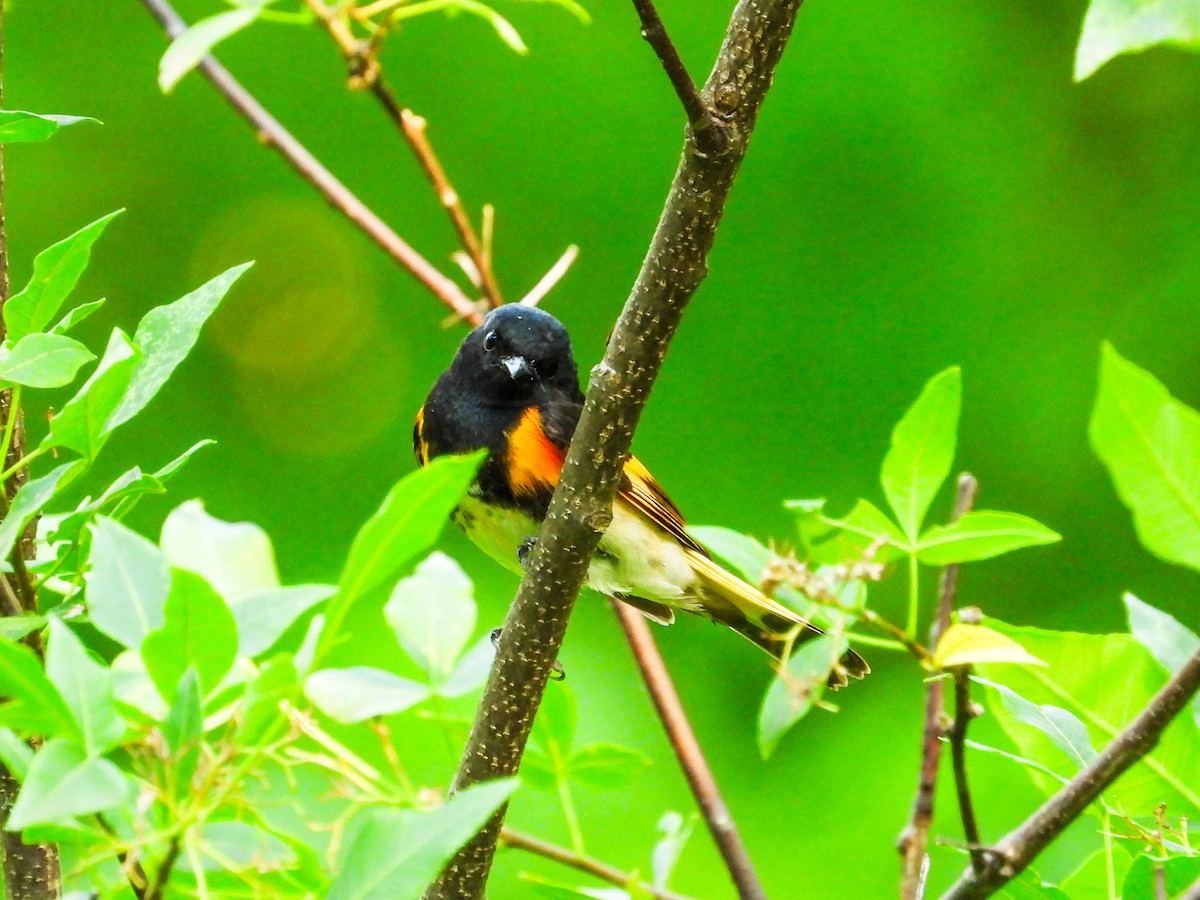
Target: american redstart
{"x":513,"y":388}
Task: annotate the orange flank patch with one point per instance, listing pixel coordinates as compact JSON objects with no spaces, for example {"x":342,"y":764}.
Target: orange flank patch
{"x":534,"y":463}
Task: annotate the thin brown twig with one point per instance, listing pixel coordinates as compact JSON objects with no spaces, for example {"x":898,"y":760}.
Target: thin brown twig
{"x":366,"y":70}
{"x":274,"y":135}
{"x":552,"y":277}
{"x":914,"y":840}
{"x":708,"y":134}
{"x":520,"y":841}
{"x":687,"y":750}
{"x":964,"y":712}
{"x":1009,"y":858}
{"x":162,"y":875}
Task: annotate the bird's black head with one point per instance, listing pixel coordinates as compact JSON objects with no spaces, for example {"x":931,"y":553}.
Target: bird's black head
{"x":516,"y":353}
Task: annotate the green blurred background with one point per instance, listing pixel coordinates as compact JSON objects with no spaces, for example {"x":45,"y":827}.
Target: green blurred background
{"x":926,"y":187}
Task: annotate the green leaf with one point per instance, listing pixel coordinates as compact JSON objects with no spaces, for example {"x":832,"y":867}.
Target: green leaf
{"x":15,"y":754}
{"x":1150,"y":444}
{"x":1168,"y":641}
{"x":1028,"y":886}
{"x":240,"y":846}
{"x":127,"y":585}
{"x":470,"y":672}
{"x":198,"y":631}
{"x":1178,"y":875}
{"x":503,"y":28}
{"x":62,"y":783}
{"x":190,"y":47}
{"x":23,"y":679}
{"x":922,"y":451}
{"x":361,"y":692}
{"x":793,"y":692}
{"x":410,"y":520}
{"x":432,"y":613}
{"x":56,"y":271}
{"x":18,"y":126}
{"x":606,"y":766}
{"x":1079,"y":678}
{"x":810,"y":519}
{"x":743,"y":553}
{"x":263,"y":617}
{"x":964,"y":645}
{"x":32,"y":497}
{"x":865,"y":526}
{"x":397,"y":853}
{"x":166,"y":335}
{"x":981,"y":535}
{"x":236,"y":558}
{"x":44,"y":361}
{"x":276,"y":681}
{"x":76,"y":315}
{"x":183,"y":729}
{"x":13,"y":628}
{"x":86,"y":687}
{"x":1063,"y":728}
{"x":83,"y":425}
{"x":1113,"y":27}
{"x":676,"y":831}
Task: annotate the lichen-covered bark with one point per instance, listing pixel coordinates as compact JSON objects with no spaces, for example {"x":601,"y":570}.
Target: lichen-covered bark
{"x":674,"y":267}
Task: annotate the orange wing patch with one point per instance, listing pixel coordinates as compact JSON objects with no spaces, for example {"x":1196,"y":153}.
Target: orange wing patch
{"x":534,"y":463}
{"x":640,"y":490}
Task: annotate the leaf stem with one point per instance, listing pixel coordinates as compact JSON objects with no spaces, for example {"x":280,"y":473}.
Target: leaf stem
{"x":914,"y":596}
{"x":564,"y":797}
{"x":23,"y":463}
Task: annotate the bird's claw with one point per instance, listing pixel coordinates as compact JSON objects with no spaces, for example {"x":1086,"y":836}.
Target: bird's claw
{"x":557,"y":672}
{"x":525,"y":551}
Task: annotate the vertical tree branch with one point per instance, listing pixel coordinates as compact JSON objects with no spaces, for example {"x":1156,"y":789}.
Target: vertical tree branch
{"x":691,"y":758}
{"x":914,"y":840}
{"x":1009,"y":858}
{"x":964,"y":712}
{"x":582,"y":506}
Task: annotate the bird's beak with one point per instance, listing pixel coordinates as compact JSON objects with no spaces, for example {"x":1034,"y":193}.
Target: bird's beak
{"x":517,"y":367}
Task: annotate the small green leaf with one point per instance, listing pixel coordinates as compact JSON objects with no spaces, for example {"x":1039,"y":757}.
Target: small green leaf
{"x":676,"y":831}
{"x":76,"y":315}
{"x":743,"y":553}
{"x":793,"y":692}
{"x":922,"y":451}
{"x":32,"y":497}
{"x":964,"y":645}
{"x":471,"y":670}
{"x":981,"y":535}
{"x":56,"y":271}
{"x":236,"y":558}
{"x":13,"y":628}
{"x":1113,"y":27}
{"x":276,"y":681}
{"x":362,"y":692}
{"x":18,"y":126}
{"x":198,"y":631}
{"x":1150,"y":444}
{"x":44,"y":361}
{"x":127,"y":585}
{"x":411,"y":518}
{"x":1061,"y":726}
{"x":240,"y":847}
{"x":397,"y":853}
{"x":15,"y":754}
{"x":1028,"y":886}
{"x":1177,"y":876}
{"x":606,"y":766}
{"x":83,"y":424}
{"x":263,"y":617}
{"x":183,"y":729}
{"x":166,"y":335}
{"x":432,"y":613}
{"x":810,"y":521}
{"x":187,"y":50}
{"x":501,"y":25}
{"x":1169,"y":642}
{"x":22,"y":679}
{"x":865,"y":527}
{"x":62,"y":783}
{"x":86,"y":687}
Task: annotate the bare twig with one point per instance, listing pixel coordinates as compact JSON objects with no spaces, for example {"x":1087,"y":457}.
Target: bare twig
{"x":705,"y":127}
{"x":366,"y":72}
{"x":687,"y":751}
{"x":914,"y":840}
{"x":547,"y":282}
{"x":582,"y":506}
{"x":1018,"y":849}
{"x":964,"y":712}
{"x":162,"y":874}
{"x":274,"y":135}
{"x":594,"y":867}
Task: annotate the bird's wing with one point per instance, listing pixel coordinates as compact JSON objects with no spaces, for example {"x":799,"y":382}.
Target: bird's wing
{"x":640,"y":490}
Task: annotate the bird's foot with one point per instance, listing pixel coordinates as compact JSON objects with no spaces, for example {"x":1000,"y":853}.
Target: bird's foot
{"x":525,"y":551}
{"x":557,"y":672}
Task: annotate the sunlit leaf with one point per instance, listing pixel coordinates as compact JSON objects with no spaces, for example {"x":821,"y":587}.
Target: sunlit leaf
{"x":127,"y":584}
{"x":63,"y":782}
{"x":22,"y":679}
{"x":240,"y":846}
{"x":1113,"y":27}
{"x":471,"y":670}
{"x":183,"y":729}
{"x":1150,"y":444}
{"x":1177,"y":875}
{"x":86,"y":687}
{"x":15,"y":754}
{"x":263,"y":616}
{"x":276,"y":681}
{"x":865,"y":528}
{"x":187,"y":50}
{"x":83,"y":424}
{"x":432,"y":613}
{"x":963,"y":645}
{"x":18,"y":126}
{"x":362,"y":692}
{"x":198,"y":631}
{"x":981,"y":535}
{"x":56,"y":270}
{"x":676,"y":831}
{"x":32,"y":497}
{"x":76,"y":315}
{"x":397,"y":853}
{"x":793,"y":692}
{"x":1063,"y":728}
{"x":236,"y":558}
{"x":44,"y":361}
{"x":1169,"y":642}
{"x":922,"y":451}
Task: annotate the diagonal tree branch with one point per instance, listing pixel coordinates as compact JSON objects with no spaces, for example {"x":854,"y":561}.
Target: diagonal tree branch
{"x":274,"y":135}
{"x":1017,"y":850}
{"x":582,"y":506}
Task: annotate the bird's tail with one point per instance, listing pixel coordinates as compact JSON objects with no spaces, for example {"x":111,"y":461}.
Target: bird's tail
{"x":756,"y":617}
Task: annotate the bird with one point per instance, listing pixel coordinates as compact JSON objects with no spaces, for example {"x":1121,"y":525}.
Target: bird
{"x":513,"y":389}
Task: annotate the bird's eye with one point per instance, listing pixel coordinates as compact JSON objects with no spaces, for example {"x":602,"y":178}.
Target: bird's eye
{"x":491,"y":340}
